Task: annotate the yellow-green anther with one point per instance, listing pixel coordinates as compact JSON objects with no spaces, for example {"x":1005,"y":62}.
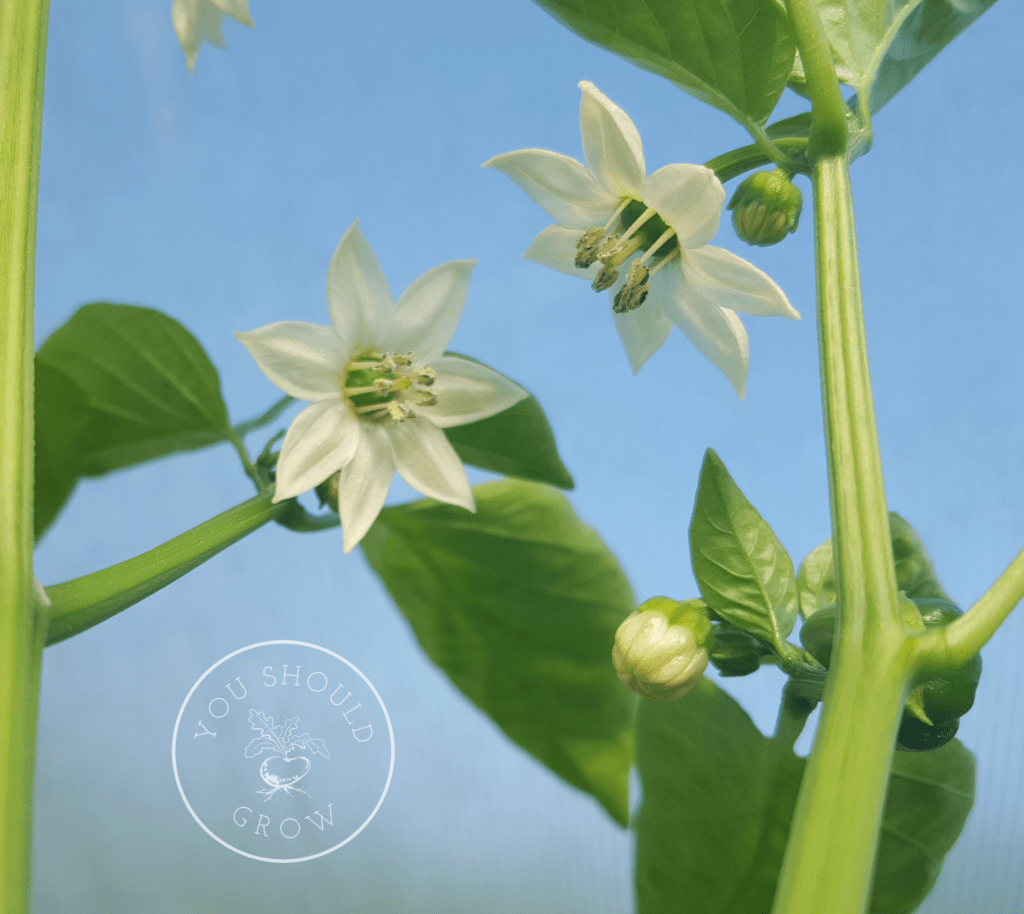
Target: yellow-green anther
{"x":634,"y":291}
{"x":605,"y":279}
{"x":587,"y":248}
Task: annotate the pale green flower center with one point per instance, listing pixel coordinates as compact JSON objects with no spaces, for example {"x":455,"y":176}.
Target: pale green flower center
{"x":633,"y":227}
{"x":388,"y":386}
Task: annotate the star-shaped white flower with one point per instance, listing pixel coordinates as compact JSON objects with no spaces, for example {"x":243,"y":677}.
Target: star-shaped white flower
{"x":380,"y":386}
{"x":196,"y":21}
{"x":610,"y":210}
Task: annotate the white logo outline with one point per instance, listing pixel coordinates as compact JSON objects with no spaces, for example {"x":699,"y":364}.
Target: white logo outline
{"x":304,"y":737}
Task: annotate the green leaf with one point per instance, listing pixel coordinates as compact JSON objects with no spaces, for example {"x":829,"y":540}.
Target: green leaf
{"x":716,"y":807}
{"x":743,"y":572}
{"x":517,"y":442}
{"x":928,"y":27}
{"x":718,"y":803}
{"x":915,"y":573}
{"x":733,"y":54}
{"x":518,"y":604}
{"x":149,"y":387}
{"x":815,"y":581}
{"x":61,"y":413}
{"x":930,"y":797}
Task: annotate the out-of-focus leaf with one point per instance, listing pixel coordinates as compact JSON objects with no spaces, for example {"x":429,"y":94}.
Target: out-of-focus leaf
{"x":815,"y":581}
{"x":61,"y":413}
{"x":733,"y":54}
{"x":930,"y":797}
{"x":717,"y":808}
{"x":744,"y":573}
{"x":518,"y":604}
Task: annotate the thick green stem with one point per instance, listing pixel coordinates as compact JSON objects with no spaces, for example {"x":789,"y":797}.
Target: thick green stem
{"x":828,"y":110}
{"x":84,"y":602}
{"x":22,"y":66}
{"x":829,"y":868}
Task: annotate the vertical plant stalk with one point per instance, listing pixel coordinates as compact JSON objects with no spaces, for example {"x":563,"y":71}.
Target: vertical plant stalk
{"x":830,"y":868}
{"x":22,"y":66}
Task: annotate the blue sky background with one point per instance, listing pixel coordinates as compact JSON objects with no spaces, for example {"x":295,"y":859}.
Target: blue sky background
{"x":220,"y":199}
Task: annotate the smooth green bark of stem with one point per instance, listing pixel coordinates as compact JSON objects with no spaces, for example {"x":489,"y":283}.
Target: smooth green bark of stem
{"x":828,"y":110}
{"x":84,"y":602}
{"x":22,"y":66}
{"x":829,"y":868}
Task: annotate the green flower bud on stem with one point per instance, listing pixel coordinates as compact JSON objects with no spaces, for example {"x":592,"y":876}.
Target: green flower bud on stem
{"x":735,"y":652}
{"x":661,"y":650}
{"x":766,"y":207}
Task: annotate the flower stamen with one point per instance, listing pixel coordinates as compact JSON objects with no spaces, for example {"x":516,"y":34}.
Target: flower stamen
{"x":382,"y":387}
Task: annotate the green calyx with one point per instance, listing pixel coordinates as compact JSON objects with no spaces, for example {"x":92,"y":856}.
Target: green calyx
{"x":692,"y":614}
{"x":765,"y":208}
{"x":942,"y":700}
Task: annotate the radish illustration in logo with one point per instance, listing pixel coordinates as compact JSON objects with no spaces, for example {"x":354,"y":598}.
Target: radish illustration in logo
{"x":280,"y":770}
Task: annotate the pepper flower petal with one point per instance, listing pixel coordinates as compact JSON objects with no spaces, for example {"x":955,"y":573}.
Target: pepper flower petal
{"x":196,"y":21}
{"x":658,"y":226}
{"x":377,"y":406}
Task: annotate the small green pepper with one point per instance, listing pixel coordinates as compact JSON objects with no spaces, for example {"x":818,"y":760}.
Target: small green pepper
{"x":944,"y":699}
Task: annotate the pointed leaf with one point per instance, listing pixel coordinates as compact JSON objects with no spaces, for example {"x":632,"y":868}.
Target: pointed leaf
{"x":518,"y":604}
{"x":929,"y":26}
{"x":743,"y":572}
{"x":516,"y":442}
{"x":733,"y":54}
{"x":149,"y":386}
{"x":915,"y":573}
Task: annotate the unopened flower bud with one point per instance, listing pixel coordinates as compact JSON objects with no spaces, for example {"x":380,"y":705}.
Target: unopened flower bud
{"x":765,"y":208}
{"x":661,"y":650}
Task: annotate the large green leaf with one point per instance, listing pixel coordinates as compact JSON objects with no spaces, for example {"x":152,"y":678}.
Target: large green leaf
{"x":880,"y":45}
{"x":150,"y":388}
{"x":930,"y":797}
{"x":733,"y":54}
{"x":928,"y":27}
{"x":709,"y":787}
{"x":718,"y":802}
{"x":117,"y":385}
{"x":517,"y":442}
{"x":518,"y":604}
{"x":744,"y":573}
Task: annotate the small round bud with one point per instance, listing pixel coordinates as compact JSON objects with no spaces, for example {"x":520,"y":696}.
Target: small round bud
{"x":765,"y":208}
{"x":661,"y":650}
{"x":735,"y":653}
